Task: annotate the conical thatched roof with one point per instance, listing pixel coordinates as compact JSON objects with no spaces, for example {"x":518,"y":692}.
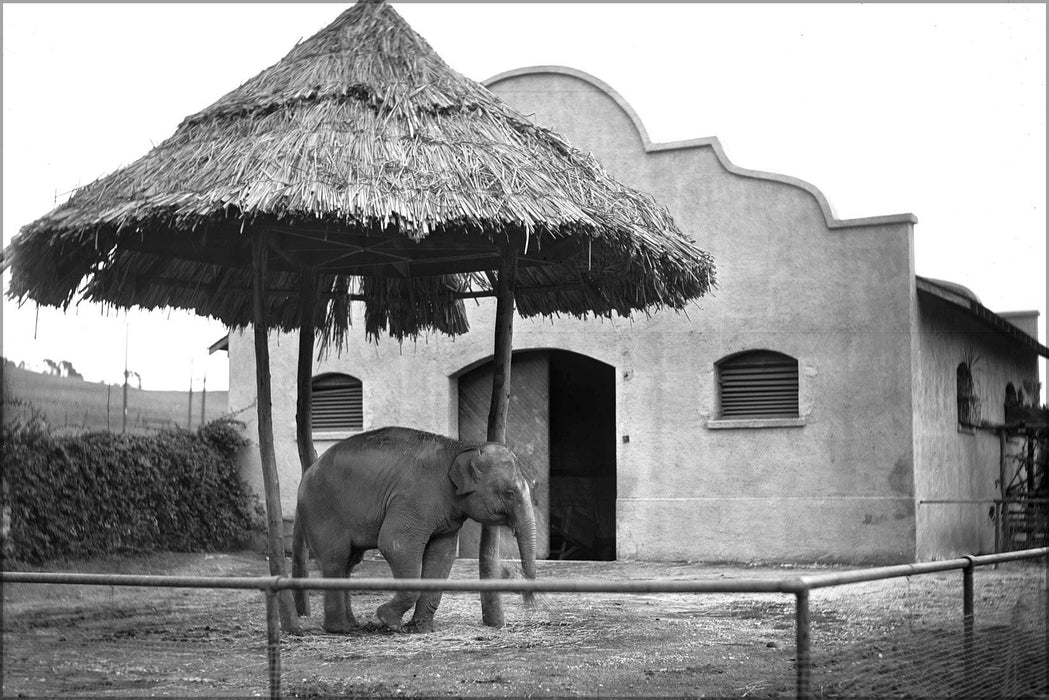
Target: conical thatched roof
{"x":363,"y":155}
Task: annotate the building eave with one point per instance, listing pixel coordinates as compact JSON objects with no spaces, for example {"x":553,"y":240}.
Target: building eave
{"x":981,"y":313}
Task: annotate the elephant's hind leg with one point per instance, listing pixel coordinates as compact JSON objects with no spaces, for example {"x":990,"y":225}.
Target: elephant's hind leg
{"x":437,"y":563}
{"x":355,"y":558}
{"x":337,"y":616}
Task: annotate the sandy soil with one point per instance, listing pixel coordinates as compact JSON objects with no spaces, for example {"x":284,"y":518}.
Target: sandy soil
{"x":898,"y":638}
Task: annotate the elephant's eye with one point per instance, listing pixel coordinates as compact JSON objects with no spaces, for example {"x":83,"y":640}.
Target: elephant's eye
{"x":509,"y":494}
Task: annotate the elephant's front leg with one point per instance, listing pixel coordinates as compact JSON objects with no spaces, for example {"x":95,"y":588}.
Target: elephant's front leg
{"x":437,"y":563}
{"x":403,"y":551}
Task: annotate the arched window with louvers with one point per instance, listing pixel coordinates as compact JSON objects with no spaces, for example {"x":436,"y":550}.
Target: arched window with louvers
{"x":338,"y":404}
{"x":757,"y":384}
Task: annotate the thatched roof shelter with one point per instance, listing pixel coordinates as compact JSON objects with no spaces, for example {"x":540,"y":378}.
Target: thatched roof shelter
{"x":364,"y":155}
{"x":360,"y":166}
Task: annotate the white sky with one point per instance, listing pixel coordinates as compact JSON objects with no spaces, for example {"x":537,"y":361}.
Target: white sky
{"x":938,"y":110}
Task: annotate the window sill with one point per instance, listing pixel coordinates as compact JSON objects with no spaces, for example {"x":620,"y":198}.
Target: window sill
{"x":333,"y":435}
{"x":966,"y":429}
{"x":727,"y":424}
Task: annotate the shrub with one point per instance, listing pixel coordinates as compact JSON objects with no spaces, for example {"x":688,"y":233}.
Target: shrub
{"x":98,"y":493}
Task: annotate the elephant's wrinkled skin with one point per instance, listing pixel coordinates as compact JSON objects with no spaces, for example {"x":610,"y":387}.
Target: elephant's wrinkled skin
{"x":406,"y":493}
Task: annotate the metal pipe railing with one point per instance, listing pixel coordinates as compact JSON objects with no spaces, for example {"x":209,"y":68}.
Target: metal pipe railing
{"x":800,"y":587}
{"x":745,"y":585}
{"x":904,"y":570}
{"x":259,"y":583}
{"x":276,"y":583}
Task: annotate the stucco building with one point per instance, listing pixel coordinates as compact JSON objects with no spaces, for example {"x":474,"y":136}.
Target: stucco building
{"x":809,"y":410}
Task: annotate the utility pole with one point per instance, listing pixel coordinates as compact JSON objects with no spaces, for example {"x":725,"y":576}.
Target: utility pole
{"x":123,"y":427}
{"x":189,"y":418}
{"x":204,"y":398}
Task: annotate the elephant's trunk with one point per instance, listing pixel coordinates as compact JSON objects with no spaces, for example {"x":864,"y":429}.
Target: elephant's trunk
{"x":524,"y":527}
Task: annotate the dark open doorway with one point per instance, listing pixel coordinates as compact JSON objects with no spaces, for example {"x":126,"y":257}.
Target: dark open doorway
{"x":582,"y":458}
{"x":561,"y":424}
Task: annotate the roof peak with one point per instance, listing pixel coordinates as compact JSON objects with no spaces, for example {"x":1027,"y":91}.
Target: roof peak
{"x":369,"y":54}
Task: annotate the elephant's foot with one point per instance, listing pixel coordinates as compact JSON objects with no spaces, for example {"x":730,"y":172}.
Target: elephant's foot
{"x":302,"y":603}
{"x":344,"y":626}
{"x":419,"y":626}
{"x":389,"y":617}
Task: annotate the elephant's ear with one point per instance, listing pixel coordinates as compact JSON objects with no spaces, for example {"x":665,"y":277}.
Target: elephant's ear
{"x":464,"y":472}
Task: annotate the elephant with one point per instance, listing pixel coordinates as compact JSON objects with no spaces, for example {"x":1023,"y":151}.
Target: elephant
{"x":407,"y":493}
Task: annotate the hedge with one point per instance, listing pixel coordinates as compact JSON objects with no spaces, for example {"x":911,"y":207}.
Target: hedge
{"x":100,"y":493}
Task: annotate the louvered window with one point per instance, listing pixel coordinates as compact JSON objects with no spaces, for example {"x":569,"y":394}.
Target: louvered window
{"x":758,"y":384}
{"x":338,"y":403}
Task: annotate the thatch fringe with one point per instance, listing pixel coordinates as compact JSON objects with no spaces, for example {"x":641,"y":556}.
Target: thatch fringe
{"x":394,"y":305}
{"x":338,"y":317}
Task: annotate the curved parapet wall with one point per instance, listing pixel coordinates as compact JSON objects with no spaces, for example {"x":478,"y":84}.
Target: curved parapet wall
{"x":837,"y":295}
{"x":710,"y":142}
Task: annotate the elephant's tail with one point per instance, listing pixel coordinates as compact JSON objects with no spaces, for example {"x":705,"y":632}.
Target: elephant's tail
{"x":299,"y":555}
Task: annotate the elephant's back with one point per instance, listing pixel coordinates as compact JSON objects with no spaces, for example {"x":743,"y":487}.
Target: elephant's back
{"x":396,"y":446}
{"x":418,"y":443}
{"x":377,"y":459}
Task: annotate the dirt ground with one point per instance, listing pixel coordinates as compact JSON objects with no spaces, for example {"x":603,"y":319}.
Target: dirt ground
{"x":899,"y":638}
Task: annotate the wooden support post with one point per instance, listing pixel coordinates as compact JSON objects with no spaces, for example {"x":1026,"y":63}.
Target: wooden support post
{"x":303,"y":421}
{"x":270,"y":482}
{"x":488,"y":564}
{"x":307,"y":334}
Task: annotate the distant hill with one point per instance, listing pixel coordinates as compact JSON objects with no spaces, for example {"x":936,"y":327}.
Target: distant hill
{"x":66,"y":402}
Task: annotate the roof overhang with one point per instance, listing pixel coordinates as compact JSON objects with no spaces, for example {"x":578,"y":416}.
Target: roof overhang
{"x":978,"y":311}
{"x":220,"y":344}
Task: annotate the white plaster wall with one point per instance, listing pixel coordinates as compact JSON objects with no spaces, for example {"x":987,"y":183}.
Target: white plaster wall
{"x":837,"y":296}
{"x":959,"y":464}
{"x":838,"y":299}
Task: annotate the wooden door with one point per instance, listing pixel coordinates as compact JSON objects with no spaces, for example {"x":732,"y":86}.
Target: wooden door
{"x":527,"y":434}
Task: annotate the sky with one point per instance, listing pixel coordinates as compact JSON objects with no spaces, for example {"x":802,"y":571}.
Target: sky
{"x":936,"y":110}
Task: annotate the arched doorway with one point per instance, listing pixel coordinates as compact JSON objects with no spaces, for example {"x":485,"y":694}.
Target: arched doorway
{"x":561,"y":424}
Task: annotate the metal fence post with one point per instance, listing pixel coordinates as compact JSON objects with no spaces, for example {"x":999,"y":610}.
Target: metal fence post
{"x":802,"y":631}
{"x":273,"y":641}
{"x":967,"y":621}
{"x":1045,"y":619}
{"x":999,"y":539}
